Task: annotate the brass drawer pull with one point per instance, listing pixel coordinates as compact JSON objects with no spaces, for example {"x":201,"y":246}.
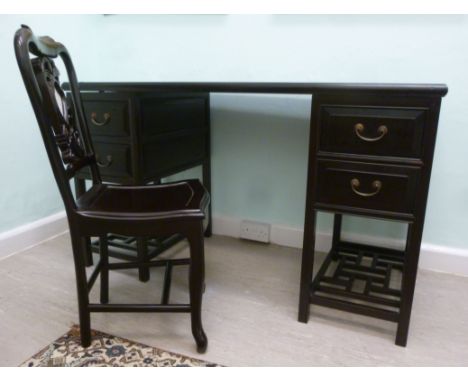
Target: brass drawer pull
{"x":359,"y":129}
{"x":106,"y":164}
{"x":376,"y":184}
{"x":107,"y":118}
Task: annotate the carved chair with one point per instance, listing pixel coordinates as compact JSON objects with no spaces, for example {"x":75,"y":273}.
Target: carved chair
{"x":158,"y":210}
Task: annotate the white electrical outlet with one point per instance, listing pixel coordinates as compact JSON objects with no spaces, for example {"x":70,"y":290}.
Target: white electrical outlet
{"x":256,"y":231}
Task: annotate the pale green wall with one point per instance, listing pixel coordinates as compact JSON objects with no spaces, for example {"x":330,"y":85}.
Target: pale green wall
{"x":27,"y":188}
{"x":260,"y":142}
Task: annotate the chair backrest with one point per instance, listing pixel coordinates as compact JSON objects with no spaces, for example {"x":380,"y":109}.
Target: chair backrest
{"x":61,"y":119}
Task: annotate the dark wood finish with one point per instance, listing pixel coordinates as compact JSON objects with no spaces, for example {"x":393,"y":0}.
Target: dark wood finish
{"x":398,"y":185}
{"x":108,"y":114}
{"x":363,"y":130}
{"x":308,"y":246}
{"x":142,"y":251}
{"x":141,"y":137}
{"x":147,"y":135}
{"x":386,"y":131}
{"x":157,"y":210}
{"x":392,"y":167}
{"x":362,"y":274}
{"x":114,"y":161}
{"x":104,"y":269}
{"x":437,"y":90}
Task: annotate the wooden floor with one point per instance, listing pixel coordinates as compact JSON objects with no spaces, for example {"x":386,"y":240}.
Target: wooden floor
{"x":249,"y":312}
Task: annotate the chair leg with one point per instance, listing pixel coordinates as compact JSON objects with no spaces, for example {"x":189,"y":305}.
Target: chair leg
{"x":196,"y":284}
{"x":104,"y":253}
{"x":142,"y":249}
{"x":87,"y":252}
{"x":80,"y":189}
{"x":82,"y":289}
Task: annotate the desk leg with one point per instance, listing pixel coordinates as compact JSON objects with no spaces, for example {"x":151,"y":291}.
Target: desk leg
{"x":207,"y":184}
{"x":80,"y":189}
{"x":307,"y":267}
{"x":413,"y":247}
{"x":337,"y":220}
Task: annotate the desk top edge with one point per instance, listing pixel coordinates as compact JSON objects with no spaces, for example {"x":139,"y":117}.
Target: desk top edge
{"x":265,"y":87}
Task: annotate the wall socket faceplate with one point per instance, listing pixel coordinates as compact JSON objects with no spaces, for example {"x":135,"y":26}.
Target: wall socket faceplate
{"x":256,"y":231}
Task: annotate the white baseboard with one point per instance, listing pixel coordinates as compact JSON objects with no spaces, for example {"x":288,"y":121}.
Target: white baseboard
{"x":433,"y":257}
{"x":28,"y":235}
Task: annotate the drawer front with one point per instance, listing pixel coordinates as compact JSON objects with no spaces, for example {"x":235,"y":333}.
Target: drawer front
{"x":164,"y":115}
{"x":367,"y":186}
{"x":380,"y":131}
{"x":114,"y":161}
{"x":107,"y":117}
{"x":161,"y":156}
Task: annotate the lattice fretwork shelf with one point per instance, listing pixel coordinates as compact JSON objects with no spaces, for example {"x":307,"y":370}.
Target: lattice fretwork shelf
{"x":360,"y":279}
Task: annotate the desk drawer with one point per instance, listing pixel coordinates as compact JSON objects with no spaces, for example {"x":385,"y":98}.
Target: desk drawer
{"x":114,"y":160}
{"x":367,"y":186}
{"x":107,"y":117}
{"x":368,"y":130}
{"x":168,"y":114}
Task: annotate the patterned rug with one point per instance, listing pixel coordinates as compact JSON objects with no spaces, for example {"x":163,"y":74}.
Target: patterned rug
{"x":106,"y":350}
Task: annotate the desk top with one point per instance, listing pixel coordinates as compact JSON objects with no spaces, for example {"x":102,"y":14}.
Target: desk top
{"x":438,"y":90}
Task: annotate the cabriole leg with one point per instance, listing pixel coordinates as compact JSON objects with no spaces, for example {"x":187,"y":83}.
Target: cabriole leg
{"x":207,"y":183}
{"x":82,"y":289}
{"x":196,"y":284}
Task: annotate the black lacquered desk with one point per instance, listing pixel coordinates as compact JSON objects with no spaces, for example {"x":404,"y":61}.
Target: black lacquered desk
{"x":370,"y":154}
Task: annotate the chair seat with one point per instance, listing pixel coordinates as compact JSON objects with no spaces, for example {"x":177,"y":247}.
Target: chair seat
{"x":184,"y":199}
